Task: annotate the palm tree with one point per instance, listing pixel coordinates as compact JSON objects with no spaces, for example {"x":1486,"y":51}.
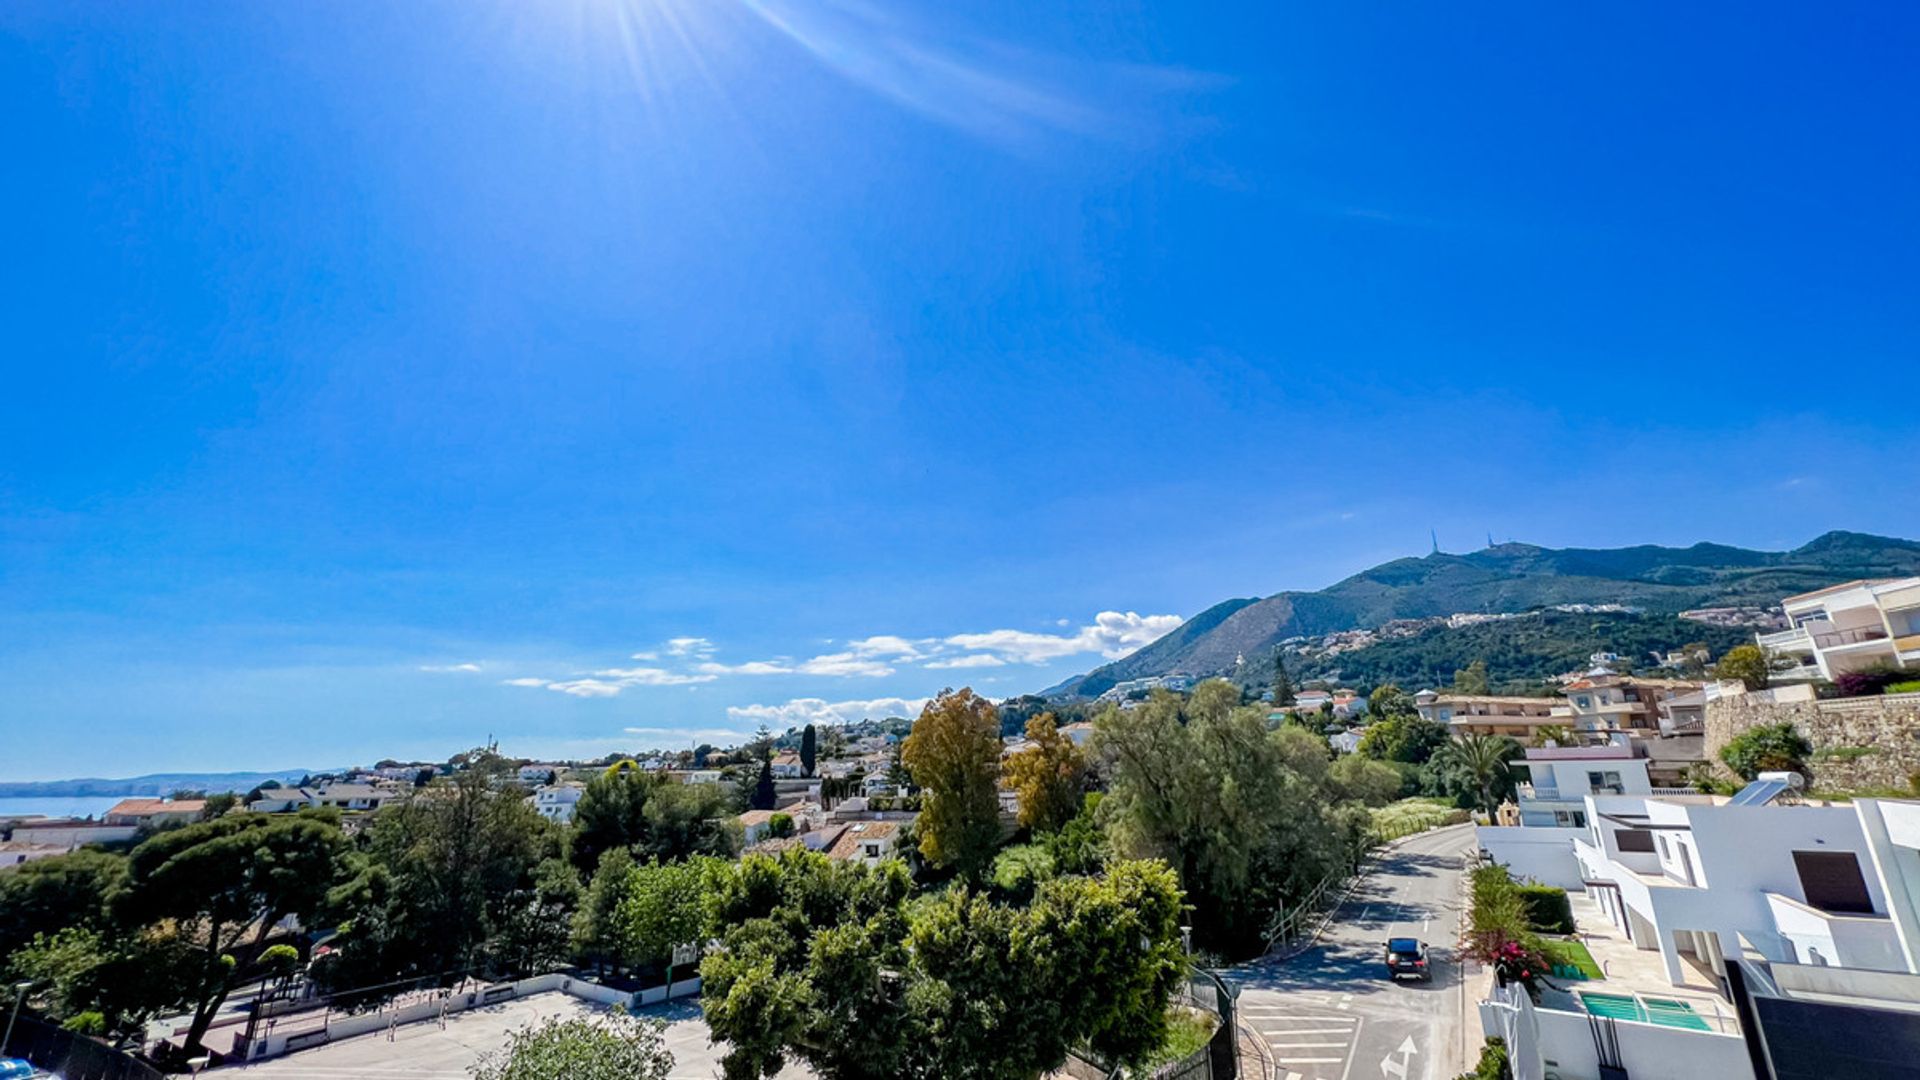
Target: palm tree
{"x":1481,"y":759}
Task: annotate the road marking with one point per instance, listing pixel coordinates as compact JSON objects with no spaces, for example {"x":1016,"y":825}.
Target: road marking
{"x":1315,"y":1061}
{"x":1307,"y":1031}
{"x":1391,"y":1067}
{"x":1298,"y":1045}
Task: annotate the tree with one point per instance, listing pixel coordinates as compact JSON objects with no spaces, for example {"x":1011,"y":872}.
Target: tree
{"x":1283,"y":695}
{"x":650,"y":815}
{"x":231,"y":879}
{"x":953,"y":756}
{"x":1472,"y":679}
{"x":112,"y":986}
{"x":1388,"y":701}
{"x":764,"y":796}
{"x":596,"y":925}
{"x":218,"y":804}
{"x":46,"y":896}
{"x":1746,"y":663}
{"x":1766,"y":748}
{"x":780,"y":826}
{"x":664,"y":906}
{"x":1366,"y":781}
{"x":1403,"y":737}
{"x":829,"y":963}
{"x":1246,"y":817}
{"x":611,"y":1047}
{"x":534,"y":934}
{"x":809,"y":749}
{"x":1048,"y":776}
{"x":448,"y":872}
{"x":1481,"y":761}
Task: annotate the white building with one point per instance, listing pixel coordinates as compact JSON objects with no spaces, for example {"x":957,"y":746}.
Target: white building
{"x":866,"y":841}
{"x":538,"y":772}
{"x":788,"y":766}
{"x":1554,"y":781}
{"x":1849,"y":628}
{"x":556,"y":802}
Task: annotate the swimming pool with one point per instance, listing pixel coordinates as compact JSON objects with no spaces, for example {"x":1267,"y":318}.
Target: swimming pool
{"x":1664,"y":1011}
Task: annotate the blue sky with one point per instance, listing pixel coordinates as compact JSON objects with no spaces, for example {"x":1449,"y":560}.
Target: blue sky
{"x":716,"y":362}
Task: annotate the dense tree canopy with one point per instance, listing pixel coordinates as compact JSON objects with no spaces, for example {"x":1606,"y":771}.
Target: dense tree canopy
{"x":1248,"y":817}
{"x":613,"y":1047}
{"x":953,"y":756}
{"x":230,"y":880}
{"x":1049,"y":777}
{"x":828,"y":964}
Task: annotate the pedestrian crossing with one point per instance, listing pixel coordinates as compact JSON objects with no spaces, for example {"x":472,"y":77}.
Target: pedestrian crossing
{"x":1312,"y":1045}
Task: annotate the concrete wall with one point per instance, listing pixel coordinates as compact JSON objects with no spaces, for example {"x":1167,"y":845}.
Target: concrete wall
{"x":1537,"y":852}
{"x":1885,"y":726}
{"x":1549,"y":1042}
{"x":347,"y":1025}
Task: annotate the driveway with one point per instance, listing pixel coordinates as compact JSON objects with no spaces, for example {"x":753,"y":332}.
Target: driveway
{"x":1331,"y":1013}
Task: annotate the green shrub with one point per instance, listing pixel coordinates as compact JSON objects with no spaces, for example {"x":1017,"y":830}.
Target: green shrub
{"x":85,"y":1023}
{"x":1548,"y":909}
{"x":1493,"y":1062}
{"x":1911,"y":686}
{"x":1766,"y":748}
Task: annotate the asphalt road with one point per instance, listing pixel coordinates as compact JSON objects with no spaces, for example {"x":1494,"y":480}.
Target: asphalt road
{"x":1331,"y":1013}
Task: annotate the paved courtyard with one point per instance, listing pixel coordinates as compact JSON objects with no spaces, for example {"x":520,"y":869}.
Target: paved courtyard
{"x":426,"y":1051}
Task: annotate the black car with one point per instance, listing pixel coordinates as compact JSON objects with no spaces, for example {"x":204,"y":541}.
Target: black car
{"x":1408,"y":956}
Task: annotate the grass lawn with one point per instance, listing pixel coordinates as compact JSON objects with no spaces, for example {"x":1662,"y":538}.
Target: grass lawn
{"x":1187,"y":1031}
{"x":1572,"y":954}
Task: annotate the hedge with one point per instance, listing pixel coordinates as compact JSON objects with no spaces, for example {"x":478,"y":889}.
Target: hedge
{"x":1547,"y":908}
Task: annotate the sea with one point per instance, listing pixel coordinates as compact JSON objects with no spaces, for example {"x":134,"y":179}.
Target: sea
{"x":78,"y":806}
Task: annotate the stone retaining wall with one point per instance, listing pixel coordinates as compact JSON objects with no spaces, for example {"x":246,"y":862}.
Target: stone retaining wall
{"x":1858,"y":743}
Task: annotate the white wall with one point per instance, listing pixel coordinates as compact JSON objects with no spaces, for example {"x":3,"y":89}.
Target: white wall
{"x":1541,"y":853}
{"x":1649,"y":1051}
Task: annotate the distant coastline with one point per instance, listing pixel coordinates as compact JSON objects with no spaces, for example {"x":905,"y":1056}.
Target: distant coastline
{"x":152,"y":784}
{"x":56,"y":806}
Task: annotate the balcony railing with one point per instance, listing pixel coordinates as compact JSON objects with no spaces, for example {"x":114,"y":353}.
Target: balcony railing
{"x":1851,"y":636}
{"x":1787,"y":639}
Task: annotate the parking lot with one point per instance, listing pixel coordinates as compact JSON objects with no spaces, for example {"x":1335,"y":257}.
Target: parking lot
{"x":430,"y":1051}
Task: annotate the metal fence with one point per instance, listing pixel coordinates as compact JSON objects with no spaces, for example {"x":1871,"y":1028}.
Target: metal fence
{"x":1218,"y":1060}
{"x":71,"y":1056}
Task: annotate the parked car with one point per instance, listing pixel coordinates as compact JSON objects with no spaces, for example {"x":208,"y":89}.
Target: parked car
{"x":1408,"y":956}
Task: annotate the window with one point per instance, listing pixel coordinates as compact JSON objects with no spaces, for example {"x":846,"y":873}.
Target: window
{"x":1600,"y":783}
{"x":1634,"y":840}
{"x":1583,"y":701}
{"x":1831,"y":881}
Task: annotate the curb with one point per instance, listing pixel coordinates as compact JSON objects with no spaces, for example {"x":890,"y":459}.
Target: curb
{"x":1269,"y":1067}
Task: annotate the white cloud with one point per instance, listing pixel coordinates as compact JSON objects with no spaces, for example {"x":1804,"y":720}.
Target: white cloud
{"x":645,"y":656}
{"x":689,"y":646}
{"x":889,"y":645}
{"x":839,"y":665}
{"x":449,"y":668}
{"x":523,"y":682}
{"x":751,"y":667}
{"x":801,"y":711}
{"x":971,"y":660}
{"x":586,"y":688}
{"x":1113,"y":634}
{"x":651,"y":676}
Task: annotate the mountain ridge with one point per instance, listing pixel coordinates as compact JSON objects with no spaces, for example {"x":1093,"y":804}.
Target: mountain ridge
{"x":1510,"y":577}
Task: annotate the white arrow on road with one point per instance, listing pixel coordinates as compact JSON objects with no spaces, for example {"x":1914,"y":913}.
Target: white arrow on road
{"x":1389,"y":1066}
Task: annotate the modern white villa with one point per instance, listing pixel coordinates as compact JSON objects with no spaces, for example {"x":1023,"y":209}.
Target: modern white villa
{"x":1849,"y":627}
{"x":1719,"y":922}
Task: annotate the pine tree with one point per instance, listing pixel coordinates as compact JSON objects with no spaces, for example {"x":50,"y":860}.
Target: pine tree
{"x":763,"y":797}
{"x":1282,"y":681}
{"x":809,"y":749}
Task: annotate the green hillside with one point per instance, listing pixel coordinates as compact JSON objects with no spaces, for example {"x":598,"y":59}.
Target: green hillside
{"x":1508,"y":578}
{"x":1521,"y":654}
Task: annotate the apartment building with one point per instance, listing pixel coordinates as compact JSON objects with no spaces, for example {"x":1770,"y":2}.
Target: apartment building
{"x":1847,"y":628}
{"x":1482,"y":714}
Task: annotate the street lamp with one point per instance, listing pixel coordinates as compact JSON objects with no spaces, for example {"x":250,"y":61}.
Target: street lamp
{"x":19,"y":995}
